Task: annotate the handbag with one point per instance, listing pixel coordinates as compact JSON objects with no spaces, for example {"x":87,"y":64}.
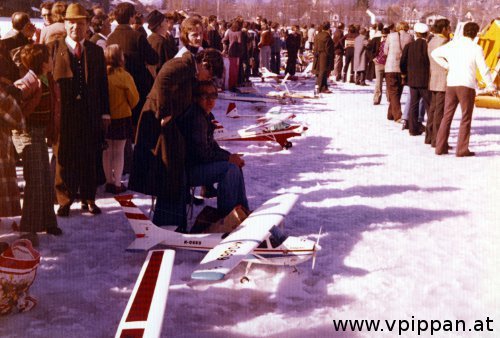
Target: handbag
{"x":18,"y":265}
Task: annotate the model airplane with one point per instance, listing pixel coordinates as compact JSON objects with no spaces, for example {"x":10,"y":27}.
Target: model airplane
{"x":277,"y":130}
{"x":144,"y":313}
{"x":250,"y":97}
{"x":267,"y":74}
{"x":258,"y":239}
{"x":272,"y":114}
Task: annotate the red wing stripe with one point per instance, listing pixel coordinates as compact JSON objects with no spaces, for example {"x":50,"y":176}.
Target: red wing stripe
{"x":142,"y":302}
{"x":137,"y":216}
{"x":132,"y":333}
{"x":127,"y":203}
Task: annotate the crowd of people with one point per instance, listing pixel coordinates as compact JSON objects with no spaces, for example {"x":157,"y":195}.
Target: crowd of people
{"x":108,"y":97}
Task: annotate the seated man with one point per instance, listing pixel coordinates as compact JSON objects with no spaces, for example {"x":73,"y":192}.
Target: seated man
{"x":206,"y":162}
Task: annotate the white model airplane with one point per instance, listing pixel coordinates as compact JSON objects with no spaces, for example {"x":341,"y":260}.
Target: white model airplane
{"x":250,"y":97}
{"x":276,"y":129}
{"x":258,"y":239}
{"x":267,"y":74}
{"x":144,"y":313}
{"x":272,"y":114}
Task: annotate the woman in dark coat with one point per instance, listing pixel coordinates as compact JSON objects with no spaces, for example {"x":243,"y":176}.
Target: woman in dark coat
{"x":158,"y":167}
{"x":323,"y":58}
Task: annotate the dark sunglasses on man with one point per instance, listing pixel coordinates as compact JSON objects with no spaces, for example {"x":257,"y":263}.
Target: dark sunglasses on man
{"x":209,"y":96}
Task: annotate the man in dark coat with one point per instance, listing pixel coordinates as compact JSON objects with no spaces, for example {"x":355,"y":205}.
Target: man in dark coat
{"x":137,"y":51}
{"x":158,"y":166}
{"x":415,"y":66}
{"x":206,"y":162}
{"x":166,"y":49}
{"x":79,"y":69}
{"x":323,"y":58}
{"x":22,"y":32}
{"x":213,"y":35}
{"x":338,"y":50}
{"x":293,"y":42}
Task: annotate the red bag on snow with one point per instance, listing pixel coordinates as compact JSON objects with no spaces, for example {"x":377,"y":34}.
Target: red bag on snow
{"x":18,"y":266}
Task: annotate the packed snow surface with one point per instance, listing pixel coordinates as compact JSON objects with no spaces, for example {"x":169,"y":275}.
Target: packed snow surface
{"x":404,"y":233}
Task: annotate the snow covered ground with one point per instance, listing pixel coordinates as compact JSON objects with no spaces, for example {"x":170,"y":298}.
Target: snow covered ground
{"x":405,"y":233}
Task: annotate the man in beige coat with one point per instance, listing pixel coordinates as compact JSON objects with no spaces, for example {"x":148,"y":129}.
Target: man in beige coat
{"x":437,"y":82}
{"x":393,"y":48}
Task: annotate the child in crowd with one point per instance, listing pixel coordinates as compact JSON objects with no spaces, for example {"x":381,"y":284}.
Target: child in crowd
{"x":123,"y":96}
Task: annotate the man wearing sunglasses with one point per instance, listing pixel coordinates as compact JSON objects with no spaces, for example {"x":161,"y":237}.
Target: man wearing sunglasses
{"x":45,"y":13}
{"x":206,"y":162}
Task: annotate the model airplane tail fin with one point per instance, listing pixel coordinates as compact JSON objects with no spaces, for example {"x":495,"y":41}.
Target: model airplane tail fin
{"x":232,"y":111}
{"x":147,"y":234}
{"x":219,"y":131}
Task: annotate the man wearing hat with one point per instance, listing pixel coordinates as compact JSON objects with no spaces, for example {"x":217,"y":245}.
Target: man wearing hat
{"x":415,"y":67}
{"x":161,"y":40}
{"x":80,"y":72}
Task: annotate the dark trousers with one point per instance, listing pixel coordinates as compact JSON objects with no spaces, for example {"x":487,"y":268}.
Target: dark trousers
{"x":349,"y":59}
{"x":321,"y":80}
{"x":76,"y":176}
{"x":455,"y":95}
{"x":291,"y":63}
{"x":394,"y":90}
{"x":434,"y":117}
{"x":275,"y":62}
{"x":415,"y":95}
{"x":338,"y":64}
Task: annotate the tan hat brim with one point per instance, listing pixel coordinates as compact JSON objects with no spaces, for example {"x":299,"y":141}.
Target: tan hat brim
{"x":76,"y":17}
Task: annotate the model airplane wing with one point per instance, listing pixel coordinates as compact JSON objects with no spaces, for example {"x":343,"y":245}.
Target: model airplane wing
{"x":143,"y":316}
{"x":247,"y":236}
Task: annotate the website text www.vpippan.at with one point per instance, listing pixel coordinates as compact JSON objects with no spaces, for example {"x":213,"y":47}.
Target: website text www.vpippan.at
{"x":414,"y":326}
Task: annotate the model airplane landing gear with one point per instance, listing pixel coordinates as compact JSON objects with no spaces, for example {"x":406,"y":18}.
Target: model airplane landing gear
{"x":245,"y":279}
{"x":287,"y":145}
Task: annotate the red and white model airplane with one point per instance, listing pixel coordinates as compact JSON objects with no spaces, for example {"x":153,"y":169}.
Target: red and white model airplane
{"x":274,"y":126}
{"x":258,"y":239}
{"x":272,"y":114}
{"x":144,"y":313}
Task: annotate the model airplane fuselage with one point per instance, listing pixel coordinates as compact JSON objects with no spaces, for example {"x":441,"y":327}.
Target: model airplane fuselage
{"x":257,"y":240}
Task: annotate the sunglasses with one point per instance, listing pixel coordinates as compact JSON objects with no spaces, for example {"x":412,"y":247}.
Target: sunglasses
{"x":209,"y":96}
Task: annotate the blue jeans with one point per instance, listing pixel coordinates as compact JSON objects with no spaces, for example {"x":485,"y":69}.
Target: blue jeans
{"x":231,"y":185}
{"x":406,"y":110}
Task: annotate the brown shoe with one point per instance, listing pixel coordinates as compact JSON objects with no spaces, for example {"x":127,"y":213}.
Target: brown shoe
{"x":467,"y":154}
{"x":94,"y":209}
{"x":119,"y":189}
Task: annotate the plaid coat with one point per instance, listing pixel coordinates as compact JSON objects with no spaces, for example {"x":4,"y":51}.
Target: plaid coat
{"x":10,"y":118}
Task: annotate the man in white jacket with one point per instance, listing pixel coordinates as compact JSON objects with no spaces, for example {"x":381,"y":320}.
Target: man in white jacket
{"x":461,"y":57}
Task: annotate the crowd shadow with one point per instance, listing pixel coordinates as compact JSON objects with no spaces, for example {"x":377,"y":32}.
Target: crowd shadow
{"x":485,"y":130}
